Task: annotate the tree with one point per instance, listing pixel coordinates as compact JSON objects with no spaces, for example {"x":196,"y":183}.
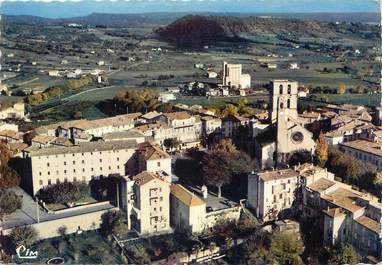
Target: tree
{"x":171,"y":143}
{"x":112,"y":223}
{"x":345,"y":255}
{"x":8,"y":177}
{"x":9,"y":202}
{"x":62,"y":230}
{"x":66,"y":192}
{"x":286,"y":248}
{"x":341,"y":88}
{"x":230,"y":110}
{"x":23,"y":235}
{"x":321,"y":150}
{"x":145,"y":100}
{"x":5,"y":155}
{"x":222,"y":163}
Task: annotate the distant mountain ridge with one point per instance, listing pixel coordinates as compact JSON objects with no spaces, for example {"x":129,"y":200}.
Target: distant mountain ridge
{"x":196,"y":30}
{"x":149,"y":19}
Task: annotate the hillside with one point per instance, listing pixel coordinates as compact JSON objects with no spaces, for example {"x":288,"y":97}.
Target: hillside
{"x":201,"y":30}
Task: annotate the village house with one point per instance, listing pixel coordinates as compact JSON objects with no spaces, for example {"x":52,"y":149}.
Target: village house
{"x":231,"y":123}
{"x":364,"y":150}
{"x":11,"y":108}
{"x":211,"y":125}
{"x":272,"y":193}
{"x":346,"y":215}
{"x":185,"y":127}
{"x":146,"y":198}
{"x":188,"y":211}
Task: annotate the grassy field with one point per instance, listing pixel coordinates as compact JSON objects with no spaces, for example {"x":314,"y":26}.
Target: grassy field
{"x":356,"y":99}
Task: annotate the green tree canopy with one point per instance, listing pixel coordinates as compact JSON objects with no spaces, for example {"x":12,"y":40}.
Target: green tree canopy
{"x":345,"y":255}
{"x":9,"y":201}
{"x":286,"y":248}
{"x":23,"y":235}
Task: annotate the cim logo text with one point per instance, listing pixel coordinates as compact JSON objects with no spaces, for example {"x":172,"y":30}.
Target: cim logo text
{"x":26,"y":253}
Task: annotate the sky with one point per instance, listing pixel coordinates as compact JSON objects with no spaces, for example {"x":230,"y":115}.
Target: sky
{"x":73,"y":8}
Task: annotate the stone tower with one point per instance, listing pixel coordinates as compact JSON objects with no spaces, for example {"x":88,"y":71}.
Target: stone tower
{"x":283,"y":99}
{"x":291,"y":133}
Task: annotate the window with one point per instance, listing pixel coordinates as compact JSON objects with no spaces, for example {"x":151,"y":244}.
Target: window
{"x":64,"y":163}
{"x":83,"y":170}
{"x":49,"y":182}
{"x":83,"y":161}
{"x":100,"y":168}
{"x":158,"y":164}
{"x":41,"y":182}
{"x":117,"y":167}
{"x":289,"y":89}
{"x":281,"y":89}
{"x":74,"y":162}
{"x":47,"y":164}
{"x":48,"y":172}
{"x":74,"y":171}
{"x":109,"y":167}
{"x":100,"y":160}
{"x":117,"y":158}
{"x":83,"y":178}
{"x":72,"y":154}
{"x":39,"y":173}
{"x":288,"y":103}
{"x":57,"y":181}
{"x":65,"y":171}
{"x":161,"y":198}
{"x":66,"y":180}
{"x":92,"y":169}
{"x":74,"y":179}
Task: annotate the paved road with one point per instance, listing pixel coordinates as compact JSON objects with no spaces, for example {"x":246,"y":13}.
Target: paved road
{"x":28,"y":213}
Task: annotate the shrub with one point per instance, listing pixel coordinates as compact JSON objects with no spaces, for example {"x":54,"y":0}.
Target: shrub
{"x":23,"y":235}
{"x":9,"y":202}
{"x":64,"y":192}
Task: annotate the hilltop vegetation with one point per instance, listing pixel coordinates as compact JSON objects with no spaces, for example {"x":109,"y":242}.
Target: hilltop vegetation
{"x":202,"y":30}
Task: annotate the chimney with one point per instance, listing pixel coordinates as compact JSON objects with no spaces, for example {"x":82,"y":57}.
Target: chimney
{"x":204,"y":191}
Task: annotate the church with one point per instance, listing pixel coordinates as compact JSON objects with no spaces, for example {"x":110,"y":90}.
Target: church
{"x":285,"y":134}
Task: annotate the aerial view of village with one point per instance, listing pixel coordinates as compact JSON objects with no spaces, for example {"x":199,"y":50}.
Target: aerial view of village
{"x":191,"y":132}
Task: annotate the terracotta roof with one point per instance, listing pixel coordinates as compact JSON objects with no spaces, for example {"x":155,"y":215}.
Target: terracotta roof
{"x":82,"y":148}
{"x":343,"y":198}
{"x":185,"y":196}
{"x":152,"y":126}
{"x":183,"y":115}
{"x":334,"y":212}
{"x":84,"y":124}
{"x":43,"y":139}
{"x":278,"y":174}
{"x":235,"y":118}
{"x":369,"y":223}
{"x":151,"y":151}
{"x":321,"y":185}
{"x":365,"y":146}
{"x":11,"y":134}
{"x":123,"y":135}
{"x":62,"y":141}
{"x":17,"y":147}
{"x":145,"y":177}
{"x":151,"y":115}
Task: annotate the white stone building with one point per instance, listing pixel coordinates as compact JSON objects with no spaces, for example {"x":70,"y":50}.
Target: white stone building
{"x":272,"y":193}
{"x":232,"y":76}
{"x":146,"y":198}
{"x":188,"y":211}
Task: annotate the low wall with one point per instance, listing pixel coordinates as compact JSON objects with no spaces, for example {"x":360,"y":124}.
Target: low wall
{"x":226,"y":214}
{"x":79,"y":207}
{"x":87,"y":221}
